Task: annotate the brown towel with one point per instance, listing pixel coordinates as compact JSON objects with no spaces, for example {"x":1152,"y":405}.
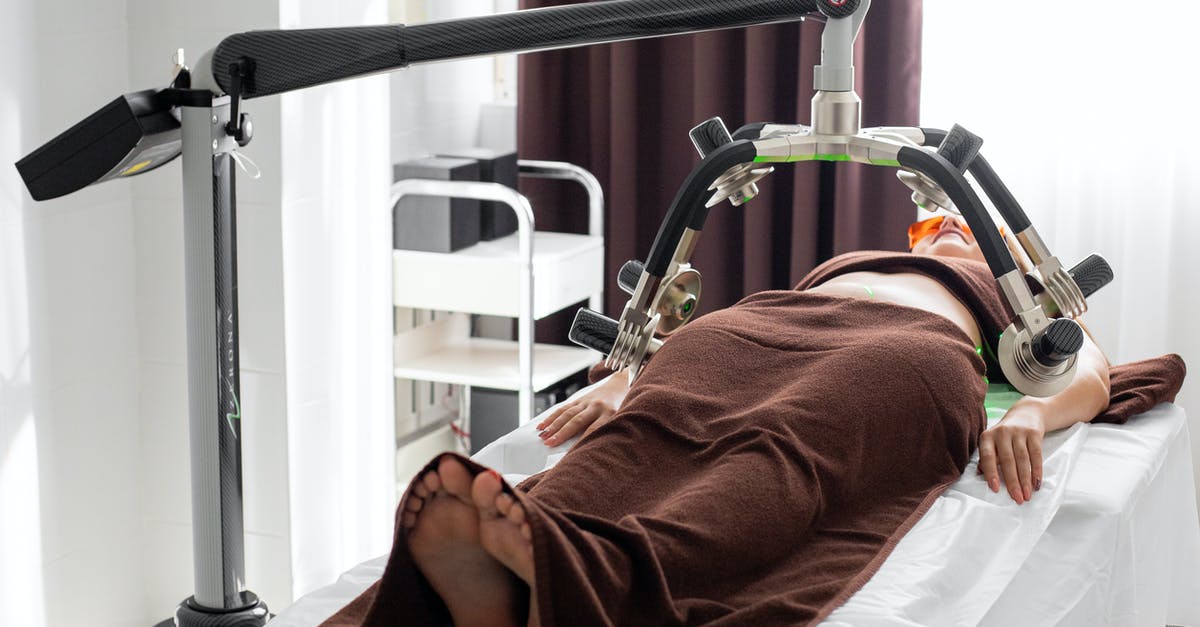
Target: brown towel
{"x":1138,"y":386}
{"x":970,"y":280}
{"x":758,"y":473}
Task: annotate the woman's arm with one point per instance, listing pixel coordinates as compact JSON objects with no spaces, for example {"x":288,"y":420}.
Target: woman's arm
{"x":586,"y":412}
{"x":1012,"y":450}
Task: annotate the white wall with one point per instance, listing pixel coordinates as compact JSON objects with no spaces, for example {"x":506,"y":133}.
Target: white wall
{"x":95,"y":504}
{"x":70,"y":504}
{"x":1088,"y":115}
{"x":95,"y":496}
{"x":457,"y":104}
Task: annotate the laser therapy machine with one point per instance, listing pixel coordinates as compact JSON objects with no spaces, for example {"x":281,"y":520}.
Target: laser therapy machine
{"x":200,"y":116}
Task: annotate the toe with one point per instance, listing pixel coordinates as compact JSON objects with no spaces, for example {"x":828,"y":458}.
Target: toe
{"x":432,"y":482}
{"x":456,"y":479}
{"x":419,"y":490}
{"x":527,"y":532}
{"x":484,"y":491}
{"x":504,"y":503}
{"x":414,"y":504}
{"x":516,"y":515}
{"x":410,"y":520}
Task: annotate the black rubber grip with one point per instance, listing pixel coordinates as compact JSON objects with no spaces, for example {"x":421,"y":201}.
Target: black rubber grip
{"x":960,"y":147}
{"x":1057,"y":342}
{"x":630,"y":274}
{"x":593,"y":330}
{"x":838,"y":8}
{"x":709,"y":135}
{"x":687,"y":209}
{"x":1091,"y":274}
{"x":288,"y":60}
{"x":973,"y":210}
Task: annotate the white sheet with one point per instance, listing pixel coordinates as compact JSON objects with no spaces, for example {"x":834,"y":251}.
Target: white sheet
{"x":1112,"y":538}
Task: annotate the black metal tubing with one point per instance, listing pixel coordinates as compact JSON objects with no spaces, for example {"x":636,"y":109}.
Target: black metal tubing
{"x":687,"y":209}
{"x":752,"y":130}
{"x":287,"y":60}
{"x":956,"y":187}
{"x":1014,"y":216}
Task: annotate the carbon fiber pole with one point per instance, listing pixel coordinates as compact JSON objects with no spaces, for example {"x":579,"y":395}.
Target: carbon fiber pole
{"x":214,"y":407}
{"x":284,"y":60}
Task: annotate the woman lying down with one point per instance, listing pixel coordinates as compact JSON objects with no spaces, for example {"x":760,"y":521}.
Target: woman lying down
{"x":758,"y":472}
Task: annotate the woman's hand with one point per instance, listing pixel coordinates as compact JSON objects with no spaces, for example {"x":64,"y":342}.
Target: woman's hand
{"x":1012,"y":450}
{"x":586,"y":412}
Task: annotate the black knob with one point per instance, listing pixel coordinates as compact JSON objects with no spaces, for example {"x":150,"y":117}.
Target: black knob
{"x":837,"y":8}
{"x":1091,"y":274}
{"x":960,"y":147}
{"x":1057,"y":342}
{"x":709,"y":135}
{"x":245,"y":130}
{"x":629,"y":275}
{"x":592,"y":330}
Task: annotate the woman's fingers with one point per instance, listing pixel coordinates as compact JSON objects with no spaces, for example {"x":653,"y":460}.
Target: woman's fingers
{"x":1021,"y":456}
{"x":563,"y":418}
{"x":1035,"y":462}
{"x":549,"y":420}
{"x":576,"y":425}
{"x":987,"y":460}
{"x":1008,"y":467}
{"x":1015,"y":455}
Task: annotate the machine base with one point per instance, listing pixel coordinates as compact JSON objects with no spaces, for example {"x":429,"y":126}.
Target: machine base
{"x":253,"y":614}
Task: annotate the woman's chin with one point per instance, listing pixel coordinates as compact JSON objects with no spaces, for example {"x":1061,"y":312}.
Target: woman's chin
{"x":949,"y":247}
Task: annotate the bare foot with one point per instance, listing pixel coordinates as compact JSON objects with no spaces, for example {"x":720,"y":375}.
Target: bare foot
{"x":503,"y":530}
{"x":443,"y":530}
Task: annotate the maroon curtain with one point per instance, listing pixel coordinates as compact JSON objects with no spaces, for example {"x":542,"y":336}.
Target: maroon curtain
{"x":623,"y":111}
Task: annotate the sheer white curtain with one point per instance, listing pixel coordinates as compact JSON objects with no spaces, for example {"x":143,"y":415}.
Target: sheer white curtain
{"x":337,"y":271}
{"x":1088,"y":111}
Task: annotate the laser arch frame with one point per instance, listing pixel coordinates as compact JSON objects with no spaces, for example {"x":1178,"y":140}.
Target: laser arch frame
{"x":1036,"y":351}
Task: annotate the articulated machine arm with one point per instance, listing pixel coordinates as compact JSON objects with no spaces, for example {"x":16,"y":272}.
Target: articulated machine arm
{"x":286,"y":60}
{"x":1036,"y":352}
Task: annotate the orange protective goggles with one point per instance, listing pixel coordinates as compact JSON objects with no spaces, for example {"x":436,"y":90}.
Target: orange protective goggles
{"x":921,"y":229}
{"x":918,"y":231}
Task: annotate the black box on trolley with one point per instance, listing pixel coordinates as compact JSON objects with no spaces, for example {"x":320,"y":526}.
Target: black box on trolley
{"x":496,"y":218}
{"x":438,"y":224}
{"x":494,"y":413}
